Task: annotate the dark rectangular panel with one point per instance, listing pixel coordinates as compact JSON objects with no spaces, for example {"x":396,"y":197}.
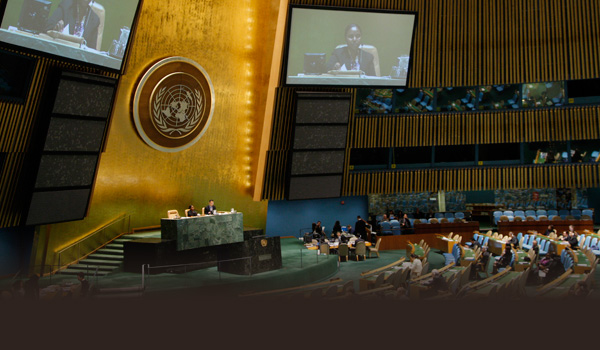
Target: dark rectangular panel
{"x":322,"y":111}
{"x":83,"y":99}
{"x":74,"y":135}
{"x":57,"y":206}
{"x":315,"y":187}
{"x":66,"y":171}
{"x":319,"y":162}
{"x":320,"y":136}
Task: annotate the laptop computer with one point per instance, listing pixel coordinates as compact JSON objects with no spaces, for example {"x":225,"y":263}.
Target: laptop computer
{"x":314,"y":63}
{"x":34,"y":16}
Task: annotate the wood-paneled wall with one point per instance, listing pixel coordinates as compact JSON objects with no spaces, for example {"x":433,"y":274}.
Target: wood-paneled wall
{"x":467,"y":43}
{"x":480,"y":42}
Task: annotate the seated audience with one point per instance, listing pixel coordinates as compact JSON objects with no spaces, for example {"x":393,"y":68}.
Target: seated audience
{"x":482,"y":262}
{"x":405,"y":225}
{"x":416,"y":266}
{"x":437,"y":285}
{"x":549,"y":230}
{"x":550,"y":267}
{"x":504,"y":260}
{"x":513,"y":241}
{"x":418,"y":215}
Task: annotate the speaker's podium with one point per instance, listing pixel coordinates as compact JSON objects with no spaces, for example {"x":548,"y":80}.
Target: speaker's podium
{"x":205,"y":241}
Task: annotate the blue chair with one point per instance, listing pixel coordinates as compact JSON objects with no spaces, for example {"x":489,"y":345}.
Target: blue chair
{"x":529,"y":243}
{"x":525,"y":239}
{"x":563,"y":213}
{"x":587,"y":212}
{"x":576,"y":213}
{"x":485,"y":241}
{"x":594,"y":155}
{"x":438,"y":215}
{"x":497,"y":212}
{"x":543,"y":248}
{"x":395,"y":227}
{"x":386,"y":228}
{"x":449,"y":215}
{"x":475,"y":237}
{"x":519,"y":235}
{"x":379,"y":218}
{"x":540,"y":212}
{"x":519,"y":213}
{"x":587,"y":242}
{"x":480,"y":239}
{"x":459,"y":215}
{"x":530,"y":213}
{"x":509,"y":213}
{"x":497,"y":217}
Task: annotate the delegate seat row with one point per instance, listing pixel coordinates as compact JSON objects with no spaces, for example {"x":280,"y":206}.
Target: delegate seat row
{"x":542,"y":214}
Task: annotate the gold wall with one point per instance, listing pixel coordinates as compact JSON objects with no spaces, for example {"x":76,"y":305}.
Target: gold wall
{"x":233,"y":41}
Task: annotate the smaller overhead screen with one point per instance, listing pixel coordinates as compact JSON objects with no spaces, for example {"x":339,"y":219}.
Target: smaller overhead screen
{"x":91,"y":32}
{"x":348,"y":47}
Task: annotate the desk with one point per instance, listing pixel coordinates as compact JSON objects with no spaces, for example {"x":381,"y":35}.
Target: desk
{"x":330,"y":79}
{"x":515,"y":227}
{"x":443,"y":243}
{"x":203,"y":231}
{"x":583,"y":264}
{"x":496,"y":246}
{"x":559,"y":246}
{"x":468,"y":257}
{"x":45,"y":43}
{"x":520,"y":264}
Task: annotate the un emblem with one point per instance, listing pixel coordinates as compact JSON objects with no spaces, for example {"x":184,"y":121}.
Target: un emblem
{"x":173,"y":104}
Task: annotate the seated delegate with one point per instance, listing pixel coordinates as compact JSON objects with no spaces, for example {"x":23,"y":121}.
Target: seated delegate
{"x":351,"y":57}
{"x":192,"y":211}
{"x":76,"y":17}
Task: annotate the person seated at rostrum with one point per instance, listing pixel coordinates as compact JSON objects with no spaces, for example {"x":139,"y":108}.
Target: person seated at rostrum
{"x":192,"y":211}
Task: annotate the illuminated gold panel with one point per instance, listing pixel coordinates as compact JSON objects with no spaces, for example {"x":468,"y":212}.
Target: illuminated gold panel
{"x":233,"y":41}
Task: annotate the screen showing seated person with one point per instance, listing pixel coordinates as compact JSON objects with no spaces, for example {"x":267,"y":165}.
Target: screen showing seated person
{"x":348,"y":47}
{"x":92,"y":32}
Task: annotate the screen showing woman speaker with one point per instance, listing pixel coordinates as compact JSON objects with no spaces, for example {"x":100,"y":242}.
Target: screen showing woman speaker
{"x":87,"y":31}
{"x":348,"y":47}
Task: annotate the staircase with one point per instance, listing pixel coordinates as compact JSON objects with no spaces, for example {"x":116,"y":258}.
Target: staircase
{"x":106,"y":259}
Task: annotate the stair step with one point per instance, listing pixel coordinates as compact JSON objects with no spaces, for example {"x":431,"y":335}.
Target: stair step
{"x":74,"y":271}
{"x":94,"y":262}
{"x":110,"y":251}
{"x":93,"y":267}
{"x":123,"y":240}
{"x":105,"y":256}
{"x":115,"y":246}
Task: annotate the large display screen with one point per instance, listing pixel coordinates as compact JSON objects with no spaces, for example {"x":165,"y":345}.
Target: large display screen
{"x":348,"y":47}
{"x":92,"y":32}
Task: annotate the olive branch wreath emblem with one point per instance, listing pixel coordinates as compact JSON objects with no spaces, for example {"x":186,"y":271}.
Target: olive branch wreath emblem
{"x":161,"y":122}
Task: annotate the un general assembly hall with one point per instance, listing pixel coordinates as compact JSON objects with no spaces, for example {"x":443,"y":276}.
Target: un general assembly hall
{"x":299,"y":150}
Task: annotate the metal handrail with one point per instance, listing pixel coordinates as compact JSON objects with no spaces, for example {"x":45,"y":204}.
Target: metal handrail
{"x":83,"y":240}
{"x":123,"y":216}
